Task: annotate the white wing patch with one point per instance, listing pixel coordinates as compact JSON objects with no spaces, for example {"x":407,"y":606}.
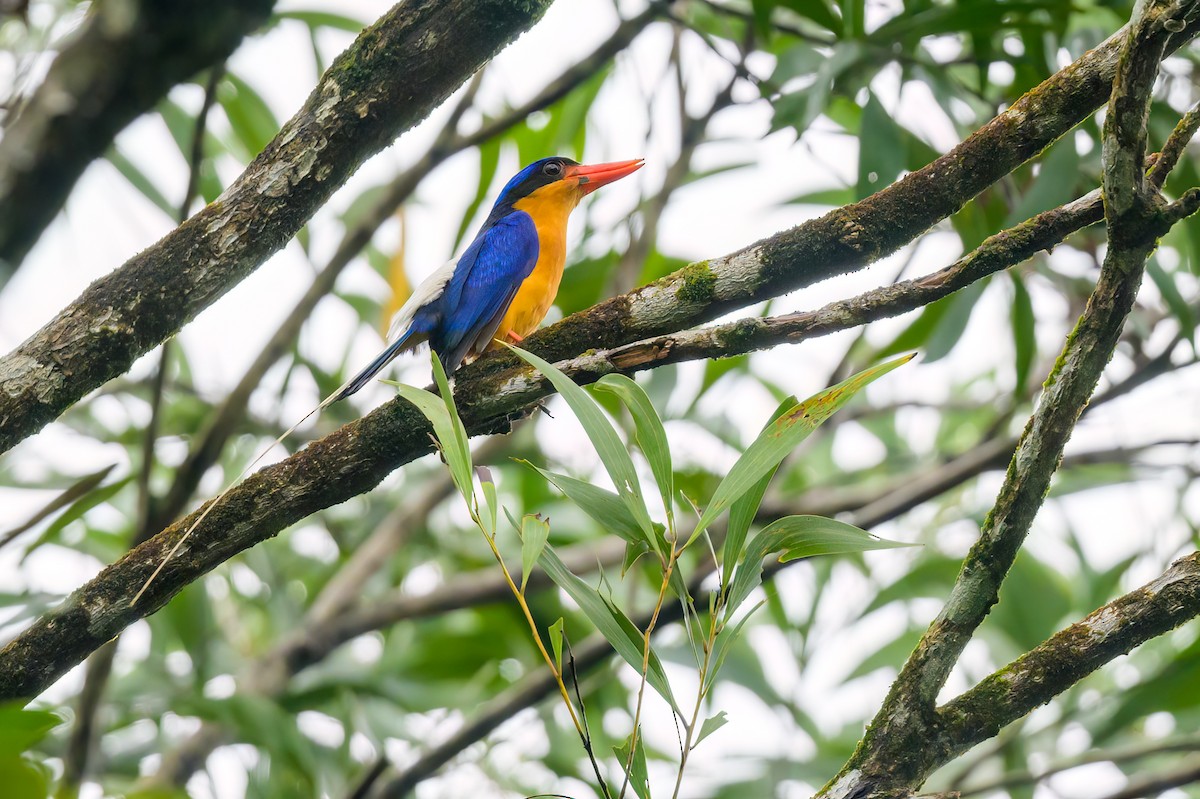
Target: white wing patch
{"x":429,"y":290}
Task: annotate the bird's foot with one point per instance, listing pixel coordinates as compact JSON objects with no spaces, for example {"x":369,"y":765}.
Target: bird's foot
{"x":514,"y":337}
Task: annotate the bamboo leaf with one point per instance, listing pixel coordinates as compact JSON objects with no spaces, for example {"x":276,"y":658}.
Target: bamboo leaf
{"x":798,"y":537}
{"x":651,"y":437}
{"x":556,"y":642}
{"x":744,"y":509}
{"x":784,"y":435}
{"x":711,"y":725}
{"x":612,"y":451}
{"x":534,"y":532}
{"x":489,"y":496}
{"x":141,"y":181}
{"x":447,"y":429}
{"x":601,"y":504}
{"x":635,"y":767}
{"x":614,"y":625}
{"x":1024,"y":339}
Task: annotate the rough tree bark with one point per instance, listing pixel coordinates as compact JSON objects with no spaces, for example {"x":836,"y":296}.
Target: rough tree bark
{"x":886,"y":764}
{"x":396,"y":72}
{"x":123,"y":61}
{"x":355,"y":458}
{"x":102,"y":333}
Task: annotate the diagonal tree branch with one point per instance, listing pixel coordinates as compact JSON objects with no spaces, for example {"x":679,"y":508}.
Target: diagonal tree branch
{"x":100,"y":335}
{"x":394,"y":74}
{"x":221,"y":424}
{"x":123,"y":61}
{"x":885,"y":764}
{"x":353,"y":460}
{"x":1036,"y":677}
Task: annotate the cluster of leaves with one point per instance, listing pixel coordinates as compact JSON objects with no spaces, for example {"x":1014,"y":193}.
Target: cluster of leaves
{"x":405,"y":680}
{"x":624,"y":513}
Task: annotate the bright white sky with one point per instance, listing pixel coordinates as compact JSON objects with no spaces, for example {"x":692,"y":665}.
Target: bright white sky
{"x":107,"y":221}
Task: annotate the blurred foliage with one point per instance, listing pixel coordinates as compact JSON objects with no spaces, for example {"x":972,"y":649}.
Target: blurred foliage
{"x":814,"y":662}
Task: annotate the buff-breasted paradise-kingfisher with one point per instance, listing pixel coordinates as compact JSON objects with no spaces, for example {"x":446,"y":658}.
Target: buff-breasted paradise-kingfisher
{"x":502,"y":285}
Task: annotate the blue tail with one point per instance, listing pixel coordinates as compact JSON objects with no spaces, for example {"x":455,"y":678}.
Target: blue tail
{"x":376,"y":366}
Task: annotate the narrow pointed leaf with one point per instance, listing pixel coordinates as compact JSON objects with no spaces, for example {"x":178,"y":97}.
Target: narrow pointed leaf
{"x":651,"y":437}
{"x":534,"y":532}
{"x":462,"y":448}
{"x":435,"y":411}
{"x":80,"y":488}
{"x":614,"y":625}
{"x":489,"y":497}
{"x":783,"y":436}
{"x":609,"y":446}
{"x":745,"y":508}
{"x":796,"y":537}
{"x":556,"y":642}
{"x":601,"y":504}
{"x":635,"y":767}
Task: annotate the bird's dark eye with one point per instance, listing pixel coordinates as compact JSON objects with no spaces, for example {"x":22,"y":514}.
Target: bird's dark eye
{"x":553,"y":169}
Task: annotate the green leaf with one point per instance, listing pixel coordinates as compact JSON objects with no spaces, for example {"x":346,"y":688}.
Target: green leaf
{"x":723,"y":644}
{"x":556,"y":642}
{"x":633,"y":551}
{"x":612,"y":451}
{"x":939,"y":326}
{"x":20,"y":729}
{"x":819,"y":11}
{"x":745,"y":508}
{"x":78,"y":508}
{"x":711,"y":725}
{"x":80,"y":488}
{"x":635,"y":767}
{"x":489,"y":497}
{"x":881,"y":149}
{"x":1171,"y":295}
{"x":783,"y":436}
{"x":798,"y":537}
{"x":614,"y":625}
{"x":447,"y":428}
{"x":1024,"y":338}
{"x":651,"y":437}
{"x":249,"y":116}
{"x":24,"y":779}
{"x":324,"y":19}
{"x":601,"y":504}
{"x":462,"y":448}
{"x":534,"y":533}
{"x":142,"y":182}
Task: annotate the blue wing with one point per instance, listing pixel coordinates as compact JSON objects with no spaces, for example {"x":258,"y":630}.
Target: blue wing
{"x":459,"y":307}
{"x":485,"y":281}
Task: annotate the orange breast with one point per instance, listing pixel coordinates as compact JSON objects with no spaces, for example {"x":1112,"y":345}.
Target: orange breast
{"x":549,"y":211}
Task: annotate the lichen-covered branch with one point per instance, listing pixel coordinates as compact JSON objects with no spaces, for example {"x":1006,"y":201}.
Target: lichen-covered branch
{"x":848,"y":238}
{"x":1070,"y":655}
{"x":886,"y":764}
{"x":394,"y":74}
{"x":123,"y":61}
{"x":101,"y":334}
{"x":356,"y":457}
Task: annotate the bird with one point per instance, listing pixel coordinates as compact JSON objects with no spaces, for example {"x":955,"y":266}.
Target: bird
{"x":503,"y":284}
{"x":499,"y":289}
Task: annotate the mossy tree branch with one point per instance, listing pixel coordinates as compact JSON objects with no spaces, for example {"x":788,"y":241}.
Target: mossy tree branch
{"x":102,"y":333}
{"x":395,"y":73}
{"x":123,"y":61}
{"x":356,"y":457}
{"x":886,"y":765}
{"x":1036,"y":677}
